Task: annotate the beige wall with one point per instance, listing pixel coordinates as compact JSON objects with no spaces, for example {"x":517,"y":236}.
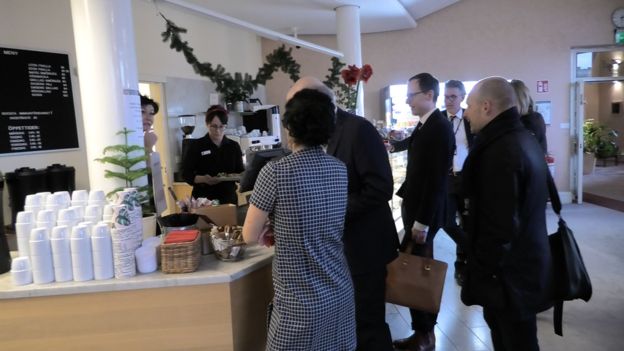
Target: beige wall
{"x":528,"y":40}
{"x":47,"y":26}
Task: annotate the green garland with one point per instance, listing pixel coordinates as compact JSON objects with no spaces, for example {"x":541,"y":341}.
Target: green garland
{"x":240,"y":87}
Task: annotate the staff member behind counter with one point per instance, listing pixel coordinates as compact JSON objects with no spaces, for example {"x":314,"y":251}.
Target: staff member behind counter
{"x":210,"y":155}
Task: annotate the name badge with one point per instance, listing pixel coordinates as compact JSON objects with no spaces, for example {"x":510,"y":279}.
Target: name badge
{"x":204,"y":153}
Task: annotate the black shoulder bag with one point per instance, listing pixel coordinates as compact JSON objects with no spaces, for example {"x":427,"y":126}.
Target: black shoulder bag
{"x":571,"y":280}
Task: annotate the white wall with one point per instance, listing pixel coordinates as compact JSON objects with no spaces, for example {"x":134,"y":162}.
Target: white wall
{"x":47,"y":26}
{"x":472,"y":39}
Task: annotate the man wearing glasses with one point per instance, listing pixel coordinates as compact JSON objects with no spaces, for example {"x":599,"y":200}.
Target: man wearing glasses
{"x":424,"y":191}
{"x":454,"y":94}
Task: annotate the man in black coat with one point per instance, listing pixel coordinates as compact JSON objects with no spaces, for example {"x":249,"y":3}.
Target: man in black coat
{"x":429,"y":155}
{"x":509,"y":263}
{"x":370,"y":237}
{"x":454,"y":94}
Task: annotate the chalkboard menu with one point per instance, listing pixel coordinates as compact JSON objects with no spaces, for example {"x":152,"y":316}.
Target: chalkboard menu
{"x":36,"y":104}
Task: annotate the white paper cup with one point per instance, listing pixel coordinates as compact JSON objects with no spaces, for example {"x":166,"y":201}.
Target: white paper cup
{"x":63,"y":198}
{"x":82,"y":257}
{"x":21,"y":273}
{"x":22,"y":233}
{"x":25,"y":217}
{"x":146,"y":259}
{"x":79,"y":210}
{"x":46,"y":216}
{"x":61,"y":254}
{"x":39,"y":243}
{"x":44,"y":276}
{"x":80,"y":195}
{"x":33,"y":200}
{"x":97,"y":197}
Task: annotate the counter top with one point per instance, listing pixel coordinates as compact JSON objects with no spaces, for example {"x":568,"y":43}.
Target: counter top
{"x":210,"y":271}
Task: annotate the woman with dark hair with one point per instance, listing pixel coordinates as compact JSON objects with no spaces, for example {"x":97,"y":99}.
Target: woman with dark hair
{"x":210,"y":155}
{"x":305,"y":196}
{"x":149,"y":108}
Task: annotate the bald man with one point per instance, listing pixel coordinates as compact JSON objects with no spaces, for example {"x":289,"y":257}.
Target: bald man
{"x":505,"y":179}
{"x":370,"y":237}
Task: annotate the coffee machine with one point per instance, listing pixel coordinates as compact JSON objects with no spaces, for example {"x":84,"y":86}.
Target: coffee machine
{"x":263,"y":129}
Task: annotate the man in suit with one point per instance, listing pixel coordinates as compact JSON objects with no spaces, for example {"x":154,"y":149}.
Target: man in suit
{"x":505,"y":177}
{"x":370,"y":237}
{"x":454,"y":94}
{"x":429,"y":155}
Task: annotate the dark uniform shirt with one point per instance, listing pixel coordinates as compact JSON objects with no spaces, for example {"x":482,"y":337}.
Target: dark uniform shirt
{"x":206,"y":158}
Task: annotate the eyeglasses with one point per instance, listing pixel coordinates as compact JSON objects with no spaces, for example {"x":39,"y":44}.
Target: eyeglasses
{"x":216,"y":127}
{"x":149,"y":113}
{"x":451,"y":97}
{"x":411,"y":95}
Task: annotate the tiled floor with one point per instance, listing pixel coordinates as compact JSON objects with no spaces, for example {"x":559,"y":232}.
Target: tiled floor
{"x":597,"y":325}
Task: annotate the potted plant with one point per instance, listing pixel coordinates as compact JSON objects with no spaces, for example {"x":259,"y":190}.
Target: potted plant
{"x":123,"y":157}
{"x":599,"y":142}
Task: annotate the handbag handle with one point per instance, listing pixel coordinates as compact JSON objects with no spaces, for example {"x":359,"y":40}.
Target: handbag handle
{"x":554,"y":195}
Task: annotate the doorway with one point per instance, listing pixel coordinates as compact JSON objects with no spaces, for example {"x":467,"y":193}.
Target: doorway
{"x":597,"y":172}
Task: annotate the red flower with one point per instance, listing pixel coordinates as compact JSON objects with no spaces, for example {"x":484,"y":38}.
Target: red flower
{"x":366,"y":72}
{"x":350,"y":75}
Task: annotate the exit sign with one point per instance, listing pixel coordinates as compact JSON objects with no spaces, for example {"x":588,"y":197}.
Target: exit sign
{"x":542,"y":86}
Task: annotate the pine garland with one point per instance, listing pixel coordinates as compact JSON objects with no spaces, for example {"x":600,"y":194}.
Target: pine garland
{"x":238,"y":87}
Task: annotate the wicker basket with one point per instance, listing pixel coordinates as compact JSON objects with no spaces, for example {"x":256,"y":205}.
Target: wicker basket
{"x":181,"y":257}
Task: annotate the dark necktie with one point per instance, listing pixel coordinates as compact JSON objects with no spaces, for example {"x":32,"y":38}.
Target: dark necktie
{"x":453,"y":120}
{"x":419,"y":125}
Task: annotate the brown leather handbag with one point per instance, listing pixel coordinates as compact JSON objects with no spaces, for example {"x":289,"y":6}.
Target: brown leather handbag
{"x":415,"y":282}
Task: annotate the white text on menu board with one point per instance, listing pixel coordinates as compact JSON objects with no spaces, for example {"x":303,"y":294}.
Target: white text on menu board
{"x":43,"y":80}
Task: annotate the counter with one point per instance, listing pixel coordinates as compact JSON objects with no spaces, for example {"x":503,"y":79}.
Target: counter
{"x":221,"y":306}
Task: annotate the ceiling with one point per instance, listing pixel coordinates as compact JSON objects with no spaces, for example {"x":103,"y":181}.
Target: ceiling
{"x":318,"y":16}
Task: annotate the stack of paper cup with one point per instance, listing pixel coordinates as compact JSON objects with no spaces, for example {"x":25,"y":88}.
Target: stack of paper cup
{"x":21,"y":273}
{"x":124,"y":243}
{"x":61,"y":253}
{"x":24,"y":223}
{"x":82,"y":258}
{"x":93,"y":213}
{"x":67,"y":217}
{"x":46,"y":219}
{"x":96,"y":197}
{"x":41,"y":256}
{"x":102,"y":248}
{"x":34,"y":204}
{"x":63,"y":198}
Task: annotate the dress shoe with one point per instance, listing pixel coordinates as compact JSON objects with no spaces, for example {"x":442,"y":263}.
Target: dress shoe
{"x":416,"y":342}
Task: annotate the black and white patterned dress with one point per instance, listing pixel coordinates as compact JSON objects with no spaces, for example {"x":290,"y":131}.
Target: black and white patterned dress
{"x":306,"y":196}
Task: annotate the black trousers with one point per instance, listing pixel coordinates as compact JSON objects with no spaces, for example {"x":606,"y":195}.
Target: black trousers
{"x":455,"y":207}
{"x":509,"y":334}
{"x":422,"y":322}
{"x":373,"y":333}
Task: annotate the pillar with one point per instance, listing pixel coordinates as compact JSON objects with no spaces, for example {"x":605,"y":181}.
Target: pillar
{"x":108,"y":80}
{"x":350,"y":43}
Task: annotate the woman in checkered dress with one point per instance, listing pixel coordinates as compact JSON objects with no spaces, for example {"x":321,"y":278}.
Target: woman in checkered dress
{"x":305,"y":197}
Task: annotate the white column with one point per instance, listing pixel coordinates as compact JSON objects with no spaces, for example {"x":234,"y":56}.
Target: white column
{"x":349,"y":42}
{"x":107,"y":71}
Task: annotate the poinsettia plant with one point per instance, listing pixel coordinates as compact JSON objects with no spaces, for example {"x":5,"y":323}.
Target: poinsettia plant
{"x":347,"y":92}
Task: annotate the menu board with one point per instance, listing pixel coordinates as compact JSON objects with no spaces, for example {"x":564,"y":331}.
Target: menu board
{"x":36,"y":104}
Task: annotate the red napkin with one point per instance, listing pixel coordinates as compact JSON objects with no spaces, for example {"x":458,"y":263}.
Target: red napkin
{"x":181,"y":236}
